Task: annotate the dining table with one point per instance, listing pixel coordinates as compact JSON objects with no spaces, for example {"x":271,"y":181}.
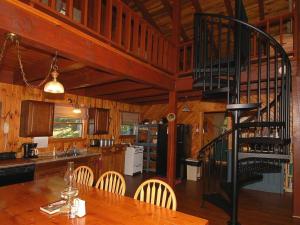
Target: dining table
{"x":20,"y":204}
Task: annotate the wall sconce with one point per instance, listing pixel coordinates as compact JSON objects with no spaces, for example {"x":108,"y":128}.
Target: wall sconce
{"x":76,"y":106}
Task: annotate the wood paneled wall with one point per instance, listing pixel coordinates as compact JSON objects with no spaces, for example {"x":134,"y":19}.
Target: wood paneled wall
{"x":194,"y":117}
{"x":12,"y":95}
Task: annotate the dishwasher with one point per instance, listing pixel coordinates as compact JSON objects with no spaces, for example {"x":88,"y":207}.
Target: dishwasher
{"x":15,"y":174}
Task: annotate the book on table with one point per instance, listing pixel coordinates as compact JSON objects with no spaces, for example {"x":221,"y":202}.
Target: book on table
{"x":53,"y":207}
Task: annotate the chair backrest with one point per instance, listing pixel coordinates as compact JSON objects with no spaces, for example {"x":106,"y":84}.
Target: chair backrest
{"x":156,"y":192}
{"x":84,"y":175}
{"x":112,"y":181}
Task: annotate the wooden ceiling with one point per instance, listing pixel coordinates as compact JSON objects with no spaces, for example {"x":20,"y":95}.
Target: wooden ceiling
{"x":80,"y":79}
{"x":158,"y":12}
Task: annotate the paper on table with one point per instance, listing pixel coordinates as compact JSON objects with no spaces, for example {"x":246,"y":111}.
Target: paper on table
{"x":42,"y":142}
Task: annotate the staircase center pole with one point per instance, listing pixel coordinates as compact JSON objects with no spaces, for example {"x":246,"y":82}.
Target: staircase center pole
{"x":236,"y":114}
{"x":234,"y":171}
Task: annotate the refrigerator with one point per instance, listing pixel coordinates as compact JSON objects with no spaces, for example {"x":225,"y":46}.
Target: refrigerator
{"x":183,"y":149}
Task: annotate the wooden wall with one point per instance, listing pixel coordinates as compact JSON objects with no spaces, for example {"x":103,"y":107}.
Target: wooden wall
{"x":195,"y":117}
{"x":12,"y":95}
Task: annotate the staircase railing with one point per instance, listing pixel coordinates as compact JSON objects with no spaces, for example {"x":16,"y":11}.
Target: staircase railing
{"x":257,"y":91}
{"x":282,"y":30}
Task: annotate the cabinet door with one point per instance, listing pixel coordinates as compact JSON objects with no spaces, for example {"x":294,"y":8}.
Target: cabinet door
{"x":102,"y":121}
{"x":98,"y":121}
{"x":36,"y":118}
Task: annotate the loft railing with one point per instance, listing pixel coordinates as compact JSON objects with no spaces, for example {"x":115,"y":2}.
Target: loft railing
{"x":280,"y":27}
{"x":115,"y":23}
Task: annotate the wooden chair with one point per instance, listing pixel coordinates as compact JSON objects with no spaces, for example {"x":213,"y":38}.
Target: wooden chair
{"x":156,"y":192}
{"x":84,"y":175}
{"x":113,"y":182}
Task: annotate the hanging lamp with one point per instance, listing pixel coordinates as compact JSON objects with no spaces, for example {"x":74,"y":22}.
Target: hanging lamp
{"x":53,"y":86}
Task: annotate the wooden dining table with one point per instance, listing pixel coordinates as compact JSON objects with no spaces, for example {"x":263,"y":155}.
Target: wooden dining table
{"x":20,"y":204}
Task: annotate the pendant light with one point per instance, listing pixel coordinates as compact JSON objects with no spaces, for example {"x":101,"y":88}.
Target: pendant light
{"x":76,"y":107}
{"x":53,"y":86}
{"x":186,"y":108}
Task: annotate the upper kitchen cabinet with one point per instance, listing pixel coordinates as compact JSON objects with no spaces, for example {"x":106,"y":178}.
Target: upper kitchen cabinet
{"x":98,"y":121}
{"x":36,"y":118}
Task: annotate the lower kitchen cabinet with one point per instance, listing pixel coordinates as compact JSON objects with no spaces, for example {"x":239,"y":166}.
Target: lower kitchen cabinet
{"x":58,"y":168}
{"x":112,"y":161}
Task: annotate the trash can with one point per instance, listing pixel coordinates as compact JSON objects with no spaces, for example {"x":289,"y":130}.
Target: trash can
{"x":193,"y":169}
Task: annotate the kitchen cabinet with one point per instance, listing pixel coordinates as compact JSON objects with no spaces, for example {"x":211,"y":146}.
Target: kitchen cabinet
{"x":113,"y":160}
{"x":98,"y":122}
{"x":36,"y":118}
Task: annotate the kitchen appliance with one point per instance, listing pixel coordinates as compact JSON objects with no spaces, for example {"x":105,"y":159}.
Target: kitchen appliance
{"x":133,"y":160}
{"x":30,"y":150}
{"x":183,"y":149}
{"x":94,"y":143}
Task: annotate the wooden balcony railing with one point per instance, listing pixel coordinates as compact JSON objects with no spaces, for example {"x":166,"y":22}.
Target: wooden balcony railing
{"x":115,"y":23}
{"x":280,"y":27}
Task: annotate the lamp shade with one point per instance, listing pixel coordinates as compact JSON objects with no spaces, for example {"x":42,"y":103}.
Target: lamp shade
{"x":54,"y":87}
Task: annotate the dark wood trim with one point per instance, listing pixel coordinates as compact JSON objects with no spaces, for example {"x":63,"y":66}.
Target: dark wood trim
{"x":228,"y":7}
{"x":141,"y":7}
{"x":296,"y":115}
{"x":171,"y":162}
{"x":169,"y":8}
{"x":197,"y":5}
{"x":261,"y":9}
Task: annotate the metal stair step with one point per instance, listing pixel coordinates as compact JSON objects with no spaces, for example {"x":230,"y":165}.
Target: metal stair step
{"x":215,"y":83}
{"x":257,"y":155}
{"x":264,"y":141}
{"x":260,"y":124}
{"x":219,"y":201}
{"x":217,"y":92}
{"x":249,"y":106}
{"x":254,"y":167}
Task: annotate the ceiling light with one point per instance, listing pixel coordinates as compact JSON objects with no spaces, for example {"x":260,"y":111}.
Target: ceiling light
{"x":54,"y":86}
{"x":76,"y":109}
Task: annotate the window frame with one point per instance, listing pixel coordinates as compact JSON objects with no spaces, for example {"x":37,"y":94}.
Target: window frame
{"x":83,"y":122}
{"x":135,"y":125}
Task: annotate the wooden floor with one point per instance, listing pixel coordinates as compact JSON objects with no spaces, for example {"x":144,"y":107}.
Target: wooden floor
{"x":255,"y":208}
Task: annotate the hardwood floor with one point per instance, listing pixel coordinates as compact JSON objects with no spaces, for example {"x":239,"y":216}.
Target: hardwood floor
{"x":255,"y":208}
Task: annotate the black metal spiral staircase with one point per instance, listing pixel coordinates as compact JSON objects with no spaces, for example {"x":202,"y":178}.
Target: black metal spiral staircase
{"x":246,"y":67}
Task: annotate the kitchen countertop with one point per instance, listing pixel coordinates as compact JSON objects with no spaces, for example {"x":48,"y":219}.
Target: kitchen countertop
{"x":43,"y":159}
{"x":91,"y":151}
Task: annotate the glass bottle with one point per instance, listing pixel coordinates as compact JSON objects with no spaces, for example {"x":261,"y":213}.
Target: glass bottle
{"x":69,"y":175}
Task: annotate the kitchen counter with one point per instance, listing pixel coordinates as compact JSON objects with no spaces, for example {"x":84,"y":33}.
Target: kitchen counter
{"x":43,"y":159}
{"x":91,"y":151}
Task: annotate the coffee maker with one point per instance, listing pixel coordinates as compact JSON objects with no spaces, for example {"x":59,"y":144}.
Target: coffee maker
{"x":30,"y":150}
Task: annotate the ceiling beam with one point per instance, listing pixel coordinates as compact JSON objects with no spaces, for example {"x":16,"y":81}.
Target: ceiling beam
{"x":168,"y":7}
{"x":228,"y":7}
{"x":40,"y":69}
{"x":197,"y":5}
{"x":50,"y":34}
{"x":134,"y":94}
{"x":261,"y":9}
{"x":141,"y":7}
{"x":85,"y":79}
{"x":111,"y":88}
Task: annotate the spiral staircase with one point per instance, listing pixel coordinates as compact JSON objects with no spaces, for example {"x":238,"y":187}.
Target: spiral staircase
{"x":244,"y":66}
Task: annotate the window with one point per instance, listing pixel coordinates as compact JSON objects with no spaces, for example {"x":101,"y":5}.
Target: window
{"x":129,"y":122}
{"x":68,"y":124}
